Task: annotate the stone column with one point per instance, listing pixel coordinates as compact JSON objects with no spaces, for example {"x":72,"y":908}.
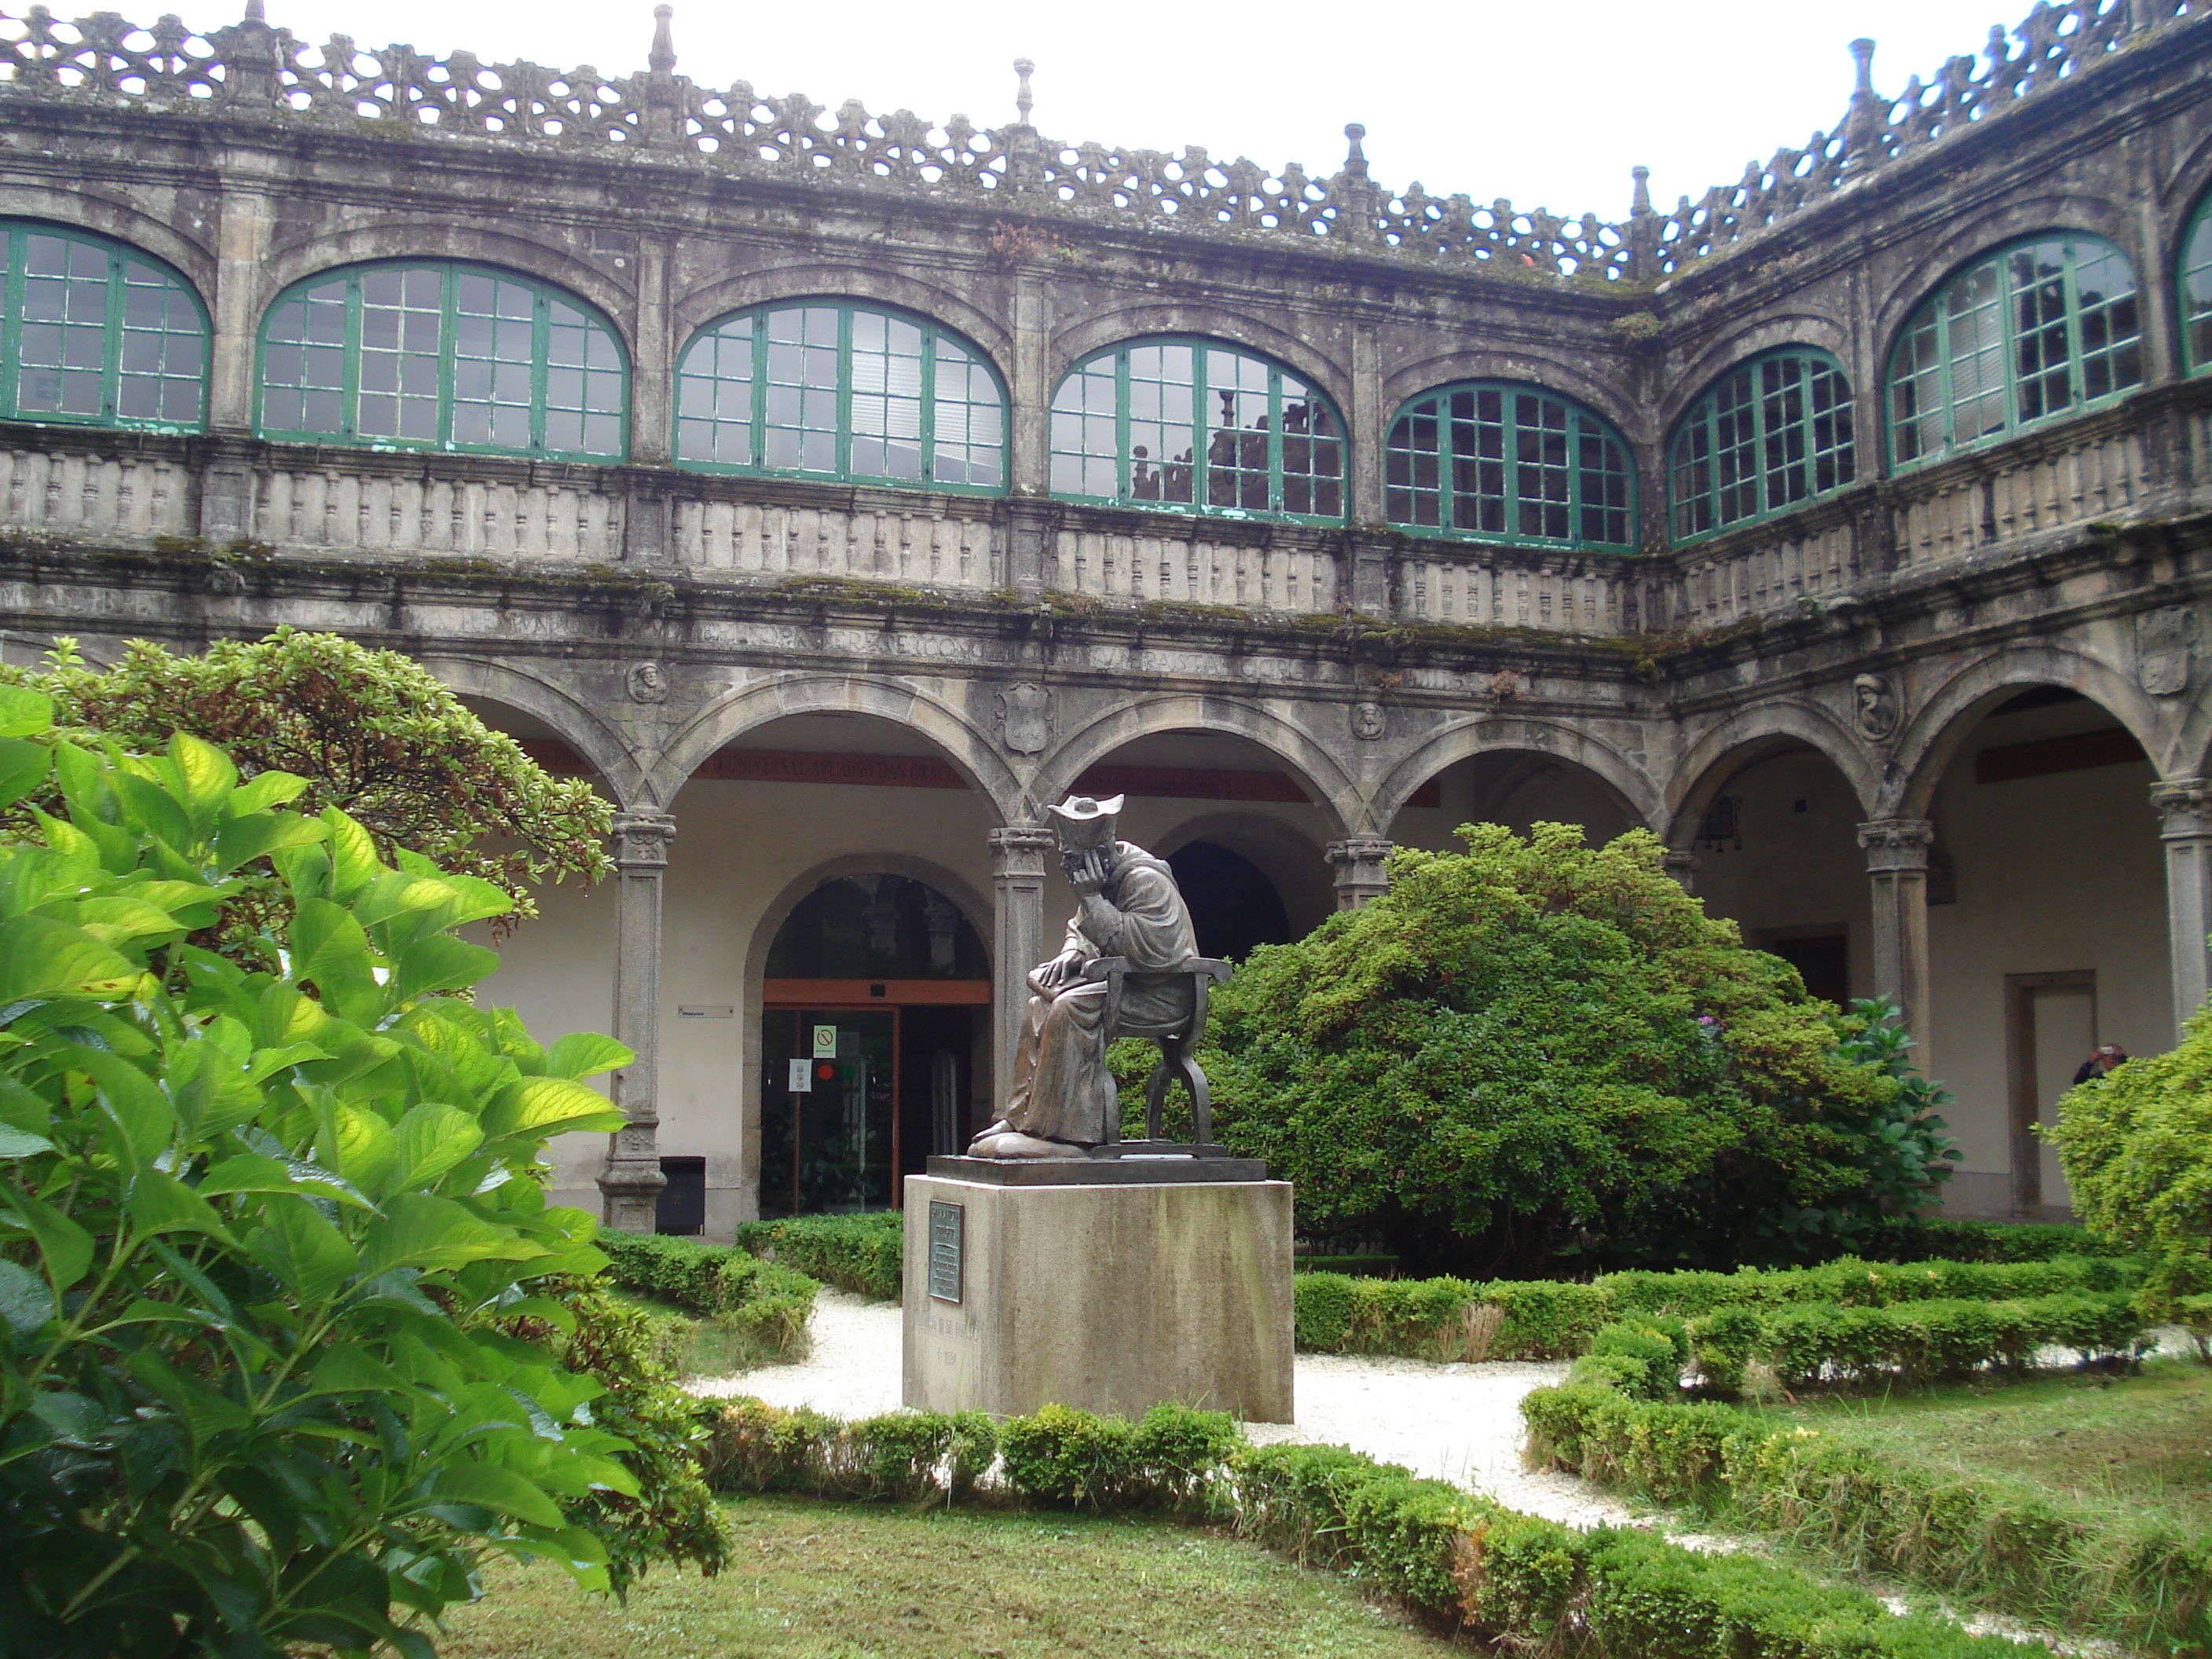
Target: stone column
{"x":1897,"y":866}
{"x":633,"y":1181}
{"x":1682,"y":866}
{"x":2184,"y":810}
{"x":1362,"y":871}
{"x":1018,"y":871}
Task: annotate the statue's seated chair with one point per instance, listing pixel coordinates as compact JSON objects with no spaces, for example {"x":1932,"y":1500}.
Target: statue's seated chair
{"x":1177,"y":1038}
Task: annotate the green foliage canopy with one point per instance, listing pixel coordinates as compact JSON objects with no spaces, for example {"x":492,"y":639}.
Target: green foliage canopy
{"x":1537,"y":1047}
{"x":267,"y":1237}
{"x":373,"y":733}
{"x":2137,"y":1147}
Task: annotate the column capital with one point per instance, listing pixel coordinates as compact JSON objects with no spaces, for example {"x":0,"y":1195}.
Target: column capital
{"x":642,"y":840}
{"x":1019,"y":849}
{"x":1897,"y":845}
{"x":1681,"y":865}
{"x":2183,"y":807}
{"x":1363,"y":868}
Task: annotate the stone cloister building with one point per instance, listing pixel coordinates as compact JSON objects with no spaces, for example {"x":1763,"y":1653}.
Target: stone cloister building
{"x":836,"y":489}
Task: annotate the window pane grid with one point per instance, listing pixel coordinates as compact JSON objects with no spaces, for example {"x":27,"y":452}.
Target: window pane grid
{"x":442,"y":356}
{"x":1769,"y":435}
{"x":2196,"y":285}
{"x":92,"y":336}
{"x":1179,"y":423}
{"x":1513,"y":466}
{"x":839,"y":391}
{"x":2036,"y":330}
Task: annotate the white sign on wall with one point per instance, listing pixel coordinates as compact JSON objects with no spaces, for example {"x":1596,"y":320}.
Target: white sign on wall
{"x":802,"y":1076}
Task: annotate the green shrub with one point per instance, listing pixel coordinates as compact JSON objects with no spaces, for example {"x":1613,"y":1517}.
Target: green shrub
{"x":862,"y":1253}
{"x":2137,"y":1146}
{"x":1539,"y":1047}
{"x":1639,"y":1361}
{"x":1321,"y":1306}
{"x":672,"y":1517}
{"x":259,"y":1230}
{"x":762,"y":1307}
{"x":1915,"y":1239}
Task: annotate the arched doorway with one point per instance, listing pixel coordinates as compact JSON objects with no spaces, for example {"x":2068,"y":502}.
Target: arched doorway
{"x":1775,"y":834}
{"x":2046,"y":926}
{"x":1233,"y":907}
{"x":875,"y":1006}
{"x":1516,"y":787}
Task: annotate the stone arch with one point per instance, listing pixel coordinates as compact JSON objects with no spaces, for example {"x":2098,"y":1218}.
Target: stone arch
{"x":1276,"y":848}
{"x":1757,"y":337}
{"x":580,"y":725}
{"x":707,"y":302}
{"x":965,"y":744}
{"x":1132,"y":325}
{"x":2187,"y":185}
{"x":1322,"y":776}
{"x":368,"y":244}
{"x":1947,"y":715}
{"x":1563,"y":379}
{"x":974,"y":907}
{"x":2058,"y":214}
{"x":1633,"y":787}
{"x":157,"y":238}
{"x":1751,"y":735}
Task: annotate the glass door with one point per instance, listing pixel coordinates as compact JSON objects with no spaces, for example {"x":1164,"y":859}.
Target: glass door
{"x":829,"y":1127}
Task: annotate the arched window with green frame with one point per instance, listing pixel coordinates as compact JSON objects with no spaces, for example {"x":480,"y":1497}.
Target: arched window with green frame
{"x":433,"y":353}
{"x":2195,"y":282}
{"x":831,"y":389}
{"x":1497,"y":462}
{"x":2043,"y":327}
{"x":1196,"y":426}
{"x":93,"y":333}
{"x":1767,"y":436}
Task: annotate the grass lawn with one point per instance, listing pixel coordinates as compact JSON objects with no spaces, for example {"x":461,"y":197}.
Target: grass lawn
{"x":2134,"y":1445}
{"x":828,"y":1580}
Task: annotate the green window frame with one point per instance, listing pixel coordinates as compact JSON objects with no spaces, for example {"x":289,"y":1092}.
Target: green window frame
{"x":856,"y":394}
{"x":2045,"y":326}
{"x":1770,"y":434}
{"x":441,"y":355}
{"x":2193,"y":284}
{"x":1129,"y":421}
{"x":1494,"y":461}
{"x":93,"y":333}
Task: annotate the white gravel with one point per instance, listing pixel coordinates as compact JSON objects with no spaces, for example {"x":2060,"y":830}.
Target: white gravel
{"x":1457,"y":1422}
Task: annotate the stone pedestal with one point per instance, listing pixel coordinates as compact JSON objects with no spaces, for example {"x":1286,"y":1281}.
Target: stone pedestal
{"x":1101,"y":1285}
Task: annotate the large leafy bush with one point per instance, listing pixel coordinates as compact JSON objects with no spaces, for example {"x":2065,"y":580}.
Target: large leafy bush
{"x":269,"y":1241}
{"x":373,"y":733}
{"x":2137,"y":1147}
{"x":1539,"y":1047}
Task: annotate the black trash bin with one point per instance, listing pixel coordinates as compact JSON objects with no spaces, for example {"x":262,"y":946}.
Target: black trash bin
{"x":682,"y":1207}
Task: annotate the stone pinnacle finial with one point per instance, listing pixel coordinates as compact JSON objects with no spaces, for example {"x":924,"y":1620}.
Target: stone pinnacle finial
{"x":1023,"y":101}
{"x":1355,"y":159}
{"x":255,"y":12}
{"x":661,"y":60}
{"x":1862,"y":55}
{"x":1641,"y":202}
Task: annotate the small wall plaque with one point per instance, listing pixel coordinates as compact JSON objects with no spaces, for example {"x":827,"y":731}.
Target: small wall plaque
{"x":801,"y":1077}
{"x":947,"y":1235}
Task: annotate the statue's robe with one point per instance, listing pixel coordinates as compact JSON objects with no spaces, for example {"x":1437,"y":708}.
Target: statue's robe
{"x":1061,"y":1088}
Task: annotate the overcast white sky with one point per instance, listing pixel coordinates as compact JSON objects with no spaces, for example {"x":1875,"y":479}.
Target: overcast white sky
{"x":1548,"y":103}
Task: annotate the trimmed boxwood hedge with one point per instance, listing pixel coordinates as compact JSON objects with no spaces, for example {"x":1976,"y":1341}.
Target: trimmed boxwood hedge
{"x":764,"y":1304}
{"x":1549,"y":1319}
{"x":1510,"y":1580}
{"x":2004,"y":1548}
{"x":859,"y":1253}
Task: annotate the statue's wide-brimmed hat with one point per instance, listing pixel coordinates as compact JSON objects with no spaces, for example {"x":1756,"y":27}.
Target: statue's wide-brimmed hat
{"x":1084,"y":822}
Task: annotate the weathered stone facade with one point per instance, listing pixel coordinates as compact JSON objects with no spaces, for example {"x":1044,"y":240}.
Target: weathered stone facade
{"x":651,"y":618}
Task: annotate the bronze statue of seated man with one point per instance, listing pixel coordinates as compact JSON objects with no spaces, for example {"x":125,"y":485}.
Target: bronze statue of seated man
{"x":1062,"y":1099}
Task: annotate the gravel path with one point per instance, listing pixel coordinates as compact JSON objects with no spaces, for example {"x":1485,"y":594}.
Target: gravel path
{"x":1457,"y":1422}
